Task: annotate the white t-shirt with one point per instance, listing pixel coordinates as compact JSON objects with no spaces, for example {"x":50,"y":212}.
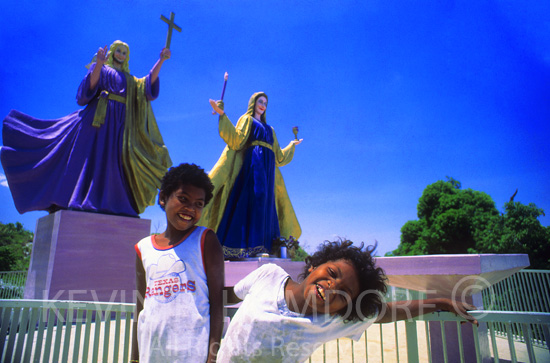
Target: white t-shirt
{"x":265,"y":330}
{"x":174,"y":325}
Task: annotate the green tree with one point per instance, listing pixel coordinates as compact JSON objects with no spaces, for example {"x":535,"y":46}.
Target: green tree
{"x":453,"y":220}
{"x":522,"y":232}
{"x":412,"y":242}
{"x":7,"y":258}
{"x":15,"y":247}
{"x":450,"y":220}
{"x":299,"y":255}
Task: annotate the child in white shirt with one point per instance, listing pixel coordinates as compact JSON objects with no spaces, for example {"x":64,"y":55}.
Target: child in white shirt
{"x":179,"y":277}
{"x":341,"y":295}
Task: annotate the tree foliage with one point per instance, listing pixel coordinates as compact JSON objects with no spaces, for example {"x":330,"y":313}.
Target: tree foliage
{"x":299,"y":255}
{"x":521,"y":232}
{"x":15,"y":247}
{"x":456,"y":221}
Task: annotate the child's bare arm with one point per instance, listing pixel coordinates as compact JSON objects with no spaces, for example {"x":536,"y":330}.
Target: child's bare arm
{"x":403,"y":310}
{"x":214,"y":267}
{"x":141,"y":286}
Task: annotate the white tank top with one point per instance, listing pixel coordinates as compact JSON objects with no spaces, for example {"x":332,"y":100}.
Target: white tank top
{"x":174,"y":325}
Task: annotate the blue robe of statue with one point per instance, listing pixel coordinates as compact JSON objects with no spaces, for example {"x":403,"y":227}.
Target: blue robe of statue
{"x":250,"y":218}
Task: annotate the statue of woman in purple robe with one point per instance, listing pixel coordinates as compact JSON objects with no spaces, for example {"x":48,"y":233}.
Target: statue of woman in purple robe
{"x":108,"y":157}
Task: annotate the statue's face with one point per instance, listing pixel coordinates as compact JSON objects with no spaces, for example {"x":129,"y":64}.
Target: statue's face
{"x":120,"y":54}
{"x":261,"y":105}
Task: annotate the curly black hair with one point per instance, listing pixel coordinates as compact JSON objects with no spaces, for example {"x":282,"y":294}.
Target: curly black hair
{"x":371,"y":278}
{"x":186,"y":174}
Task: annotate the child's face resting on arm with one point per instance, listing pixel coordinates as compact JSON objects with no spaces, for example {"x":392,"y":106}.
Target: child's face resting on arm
{"x":342,"y":279}
{"x":329,"y":288}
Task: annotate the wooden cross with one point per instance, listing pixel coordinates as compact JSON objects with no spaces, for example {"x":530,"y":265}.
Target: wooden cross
{"x":171,"y":25}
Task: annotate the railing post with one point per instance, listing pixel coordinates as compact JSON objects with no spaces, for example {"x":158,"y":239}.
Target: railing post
{"x":412,"y":341}
{"x":451,"y":341}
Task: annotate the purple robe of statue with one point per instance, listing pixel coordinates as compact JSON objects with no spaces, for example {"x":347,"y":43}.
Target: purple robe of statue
{"x":67,"y":162}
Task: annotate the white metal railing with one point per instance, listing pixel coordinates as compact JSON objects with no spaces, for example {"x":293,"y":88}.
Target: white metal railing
{"x":409,"y":341}
{"x":527,"y":290}
{"x":74,"y":331}
{"x":64,"y":331}
{"x":12,"y":284}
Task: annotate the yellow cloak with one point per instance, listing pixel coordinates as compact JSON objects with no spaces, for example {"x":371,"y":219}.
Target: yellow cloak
{"x":144,"y":155}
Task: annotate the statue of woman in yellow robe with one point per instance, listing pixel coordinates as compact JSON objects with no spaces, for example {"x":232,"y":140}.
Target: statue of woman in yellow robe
{"x":251,"y":206}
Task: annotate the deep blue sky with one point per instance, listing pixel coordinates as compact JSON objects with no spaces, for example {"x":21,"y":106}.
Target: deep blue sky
{"x":389,"y":96}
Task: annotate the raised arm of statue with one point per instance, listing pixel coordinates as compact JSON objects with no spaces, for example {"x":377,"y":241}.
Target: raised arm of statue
{"x":165,"y":54}
{"x":102,"y":55}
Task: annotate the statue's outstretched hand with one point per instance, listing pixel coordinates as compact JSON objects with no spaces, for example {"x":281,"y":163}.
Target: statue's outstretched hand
{"x":102,"y":55}
{"x":297,"y":142}
{"x":217,"y":106}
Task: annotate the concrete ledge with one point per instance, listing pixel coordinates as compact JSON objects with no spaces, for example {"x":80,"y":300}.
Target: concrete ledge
{"x":446,"y":275}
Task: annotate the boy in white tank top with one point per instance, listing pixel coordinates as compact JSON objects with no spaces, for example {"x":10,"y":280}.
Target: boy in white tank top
{"x":179,"y":277}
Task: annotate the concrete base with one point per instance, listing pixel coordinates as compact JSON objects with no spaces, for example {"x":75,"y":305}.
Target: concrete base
{"x":84,"y":256}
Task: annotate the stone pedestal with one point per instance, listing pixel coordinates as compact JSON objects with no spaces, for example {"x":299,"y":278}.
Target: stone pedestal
{"x":84,"y":256}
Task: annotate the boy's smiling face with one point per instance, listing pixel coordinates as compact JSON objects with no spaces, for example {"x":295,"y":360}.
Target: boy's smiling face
{"x":331,"y":287}
{"x":184,"y":207}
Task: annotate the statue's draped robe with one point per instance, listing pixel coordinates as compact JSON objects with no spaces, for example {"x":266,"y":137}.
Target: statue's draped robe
{"x":113,"y":167}
{"x":250,"y":206}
